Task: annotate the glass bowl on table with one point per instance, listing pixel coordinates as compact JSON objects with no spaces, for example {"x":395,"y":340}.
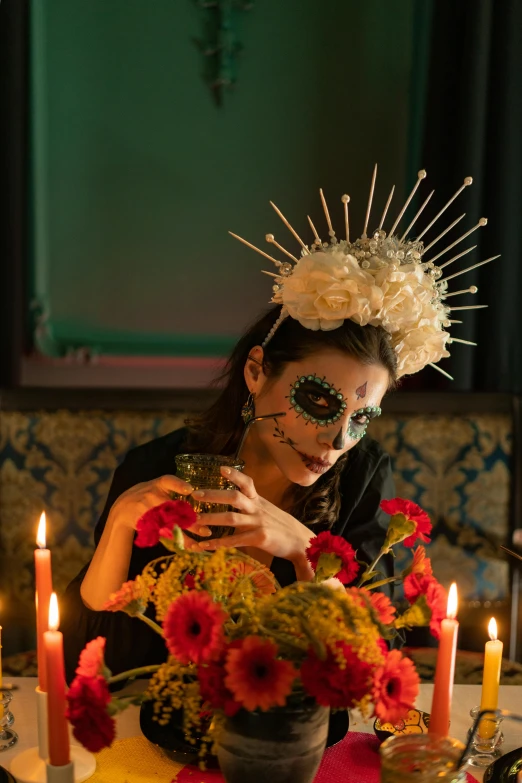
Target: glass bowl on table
{"x":202,"y":471}
{"x":421,"y":758}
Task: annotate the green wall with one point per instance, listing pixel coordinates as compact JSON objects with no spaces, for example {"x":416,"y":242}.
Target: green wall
{"x":137,"y":174}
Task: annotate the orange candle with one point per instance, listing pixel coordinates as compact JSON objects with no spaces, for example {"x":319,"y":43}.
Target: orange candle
{"x":44,"y":588}
{"x":58,"y":727}
{"x":445,"y":670}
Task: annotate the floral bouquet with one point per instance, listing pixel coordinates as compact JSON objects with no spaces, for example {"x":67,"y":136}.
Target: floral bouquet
{"x":237,"y":641}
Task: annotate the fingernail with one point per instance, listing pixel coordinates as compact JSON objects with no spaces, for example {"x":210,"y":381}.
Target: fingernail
{"x":199,"y":493}
{"x":226,"y":471}
{"x":203,"y":530}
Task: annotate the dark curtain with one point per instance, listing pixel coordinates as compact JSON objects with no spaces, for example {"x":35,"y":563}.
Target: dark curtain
{"x":13,"y":185}
{"x":472,"y":125}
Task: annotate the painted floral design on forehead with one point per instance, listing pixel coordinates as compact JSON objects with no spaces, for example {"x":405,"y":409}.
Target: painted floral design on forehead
{"x":316,"y":400}
{"x":360,"y":419}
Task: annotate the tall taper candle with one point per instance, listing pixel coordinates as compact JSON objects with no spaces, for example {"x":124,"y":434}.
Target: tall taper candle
{"x":44,"y":588}
{"x":59,"y":753}
{"x":445,"y":669}
{"x":490,"y":679}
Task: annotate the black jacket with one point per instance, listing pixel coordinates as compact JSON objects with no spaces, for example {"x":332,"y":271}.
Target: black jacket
{"x":365,"y":481}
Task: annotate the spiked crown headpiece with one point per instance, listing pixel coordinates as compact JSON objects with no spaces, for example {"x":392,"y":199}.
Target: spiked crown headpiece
{"x":383,"y":280}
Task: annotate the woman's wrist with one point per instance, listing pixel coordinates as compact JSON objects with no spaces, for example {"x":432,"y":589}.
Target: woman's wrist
{"x":303,"y":570}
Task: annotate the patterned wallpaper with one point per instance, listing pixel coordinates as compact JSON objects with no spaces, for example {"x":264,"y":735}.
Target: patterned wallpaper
{"x":457,"y":468}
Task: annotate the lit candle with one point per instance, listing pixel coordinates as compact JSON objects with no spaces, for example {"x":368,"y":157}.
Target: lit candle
{"x":490,"y":678}
{"x":59,"y":754}
{"x":445,"y":670}
{"x":1,"y":679}
{"x":44,"y":588}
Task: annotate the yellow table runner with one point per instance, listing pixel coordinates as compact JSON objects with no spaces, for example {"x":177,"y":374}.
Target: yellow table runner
{"x":134,"y":760}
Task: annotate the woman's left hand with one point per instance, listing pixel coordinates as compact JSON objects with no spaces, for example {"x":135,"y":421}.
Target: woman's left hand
{"x":258,"y":522}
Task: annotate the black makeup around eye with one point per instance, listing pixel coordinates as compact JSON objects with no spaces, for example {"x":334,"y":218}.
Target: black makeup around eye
{"x":328,"y":406}
{"x":371,"y":412}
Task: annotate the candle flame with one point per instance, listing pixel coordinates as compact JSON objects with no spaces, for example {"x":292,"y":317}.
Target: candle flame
{"x":492,"y":629}
{"x":54,"y":615}
{"x":453,"y":602}
{"x":40,"y":536}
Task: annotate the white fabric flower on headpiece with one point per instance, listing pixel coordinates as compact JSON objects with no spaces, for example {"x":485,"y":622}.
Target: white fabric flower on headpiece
{"x":325,"y":289}
{"x":420,"y":346}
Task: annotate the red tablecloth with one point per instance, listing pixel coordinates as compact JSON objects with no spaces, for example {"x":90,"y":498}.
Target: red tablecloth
{"x":354,"y":760}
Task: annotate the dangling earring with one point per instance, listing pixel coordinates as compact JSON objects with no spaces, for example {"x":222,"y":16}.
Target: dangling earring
{"x":248,"y":410}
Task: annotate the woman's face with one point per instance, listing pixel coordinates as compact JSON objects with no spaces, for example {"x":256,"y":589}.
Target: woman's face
{"x":329,"y":399}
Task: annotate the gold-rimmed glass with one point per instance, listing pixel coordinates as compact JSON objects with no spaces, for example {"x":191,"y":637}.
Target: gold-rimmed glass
{"x":202,"y":471}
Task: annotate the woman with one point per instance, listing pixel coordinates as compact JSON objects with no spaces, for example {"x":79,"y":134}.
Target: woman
{"x":300,"y":476}
{"x":351,"y":318}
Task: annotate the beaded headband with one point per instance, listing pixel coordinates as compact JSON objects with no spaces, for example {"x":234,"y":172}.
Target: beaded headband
{"x":381,"y":280}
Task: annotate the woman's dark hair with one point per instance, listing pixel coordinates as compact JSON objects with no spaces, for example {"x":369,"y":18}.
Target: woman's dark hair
{"x":218,"y":430}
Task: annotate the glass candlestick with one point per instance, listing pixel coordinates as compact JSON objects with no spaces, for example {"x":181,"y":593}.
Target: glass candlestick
{"x":8,"y":737}
{"x":421,"y":758}
{"x":202,"y":471}
{"x":488,"y":739}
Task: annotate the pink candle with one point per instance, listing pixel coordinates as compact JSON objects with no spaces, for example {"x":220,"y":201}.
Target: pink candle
{"x":44,"y":588}
{"x":56,"y":704}
{"x":445,"y":670}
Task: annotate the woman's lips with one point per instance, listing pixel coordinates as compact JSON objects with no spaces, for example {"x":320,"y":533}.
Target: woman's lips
{"x":315,"y":464}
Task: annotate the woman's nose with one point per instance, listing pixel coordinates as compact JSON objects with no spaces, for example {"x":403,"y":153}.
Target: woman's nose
{"x":333,"y":438}
{"x":338,"y":441}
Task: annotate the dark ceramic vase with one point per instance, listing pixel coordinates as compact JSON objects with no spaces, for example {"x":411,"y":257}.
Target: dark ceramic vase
{"x":283,"y":745}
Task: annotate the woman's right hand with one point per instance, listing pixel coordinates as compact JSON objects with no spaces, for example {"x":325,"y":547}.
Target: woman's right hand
{"x":132,"y":504}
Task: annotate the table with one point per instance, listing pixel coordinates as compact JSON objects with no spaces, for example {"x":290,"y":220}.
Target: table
{"x":464,"y":698}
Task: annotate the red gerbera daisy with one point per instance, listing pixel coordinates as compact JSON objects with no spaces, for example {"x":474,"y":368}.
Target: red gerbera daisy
{"x":158,"y":522}
{"x":332,"y":686}
{"x":256,"y":677}
{"x":331,"y":555}
{"x":413,"y":513}
{"x":193,"y":627}
{"x":213,"y":689}
{"x":395,"y":687}
{"x":88,"y":699}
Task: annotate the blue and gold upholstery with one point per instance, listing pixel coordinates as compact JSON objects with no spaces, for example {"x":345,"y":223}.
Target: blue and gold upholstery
{"x":456,"y":467}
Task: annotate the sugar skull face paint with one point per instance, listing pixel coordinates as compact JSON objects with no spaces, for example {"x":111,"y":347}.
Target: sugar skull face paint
{"x":299,"y":448}
{"x":316,"y":400}
{"x":360,"y":419}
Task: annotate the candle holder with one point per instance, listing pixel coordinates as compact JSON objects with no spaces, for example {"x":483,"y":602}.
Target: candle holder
{"x":30,"y":766}
{"x":486,"y":740}
{"x":63,"y":774}
{"x":8,"y":737}
{"x":421,"y":758}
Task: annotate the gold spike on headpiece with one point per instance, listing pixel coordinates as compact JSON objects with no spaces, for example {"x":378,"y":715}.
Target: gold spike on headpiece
{"x":331,"y":232}
{"x":370,"y":199}
{"x":420,"y":176}
{"x":482,"y":222}
{"x":253,"y":247}
{"x":316,"y":235}
{"x":467,"y":182}
{"x":386,"y":208}
{"x":290,"y":228}
{"x":346,"y":200}
{"x":271,"y":240}
{"x":419,"y":213}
